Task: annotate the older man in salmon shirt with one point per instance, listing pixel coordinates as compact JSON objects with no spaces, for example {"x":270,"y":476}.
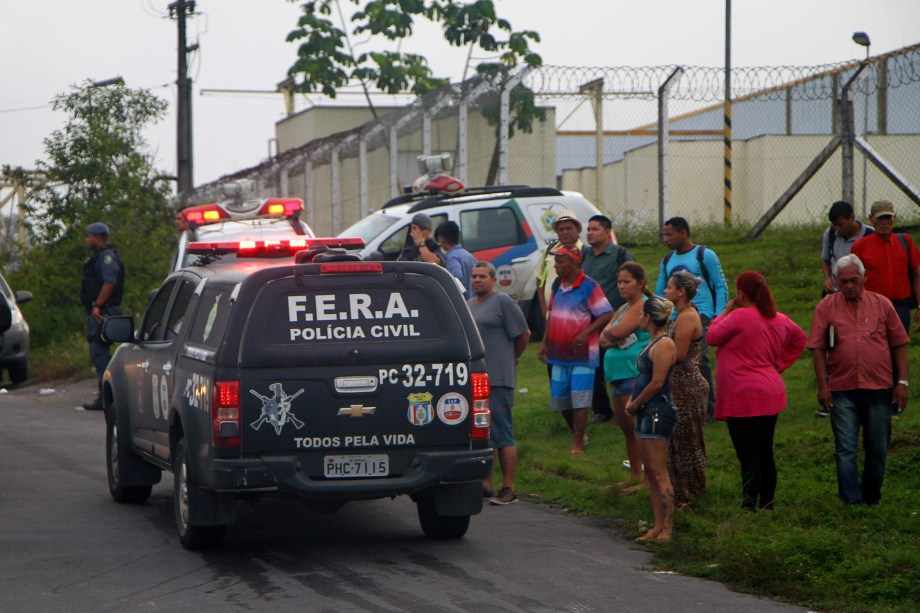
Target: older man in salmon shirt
{"x":855,"y":335}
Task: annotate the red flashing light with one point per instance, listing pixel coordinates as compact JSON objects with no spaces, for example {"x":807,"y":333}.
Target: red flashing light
{"x":225,"y":414}
{"x":277,"y":207}
{"x":347,"y":267}
{"x":482,"y":416}
{"x":205,"y":214}
{"x":274,"y":247}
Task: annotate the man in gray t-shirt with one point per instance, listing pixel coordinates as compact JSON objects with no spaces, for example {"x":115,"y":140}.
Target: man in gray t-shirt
{"x":504,"y":333}
{"x":838,"y":239}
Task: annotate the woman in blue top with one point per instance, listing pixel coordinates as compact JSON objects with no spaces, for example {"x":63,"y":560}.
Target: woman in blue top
{"x":656,"y":416}
{"x":624,"y":340}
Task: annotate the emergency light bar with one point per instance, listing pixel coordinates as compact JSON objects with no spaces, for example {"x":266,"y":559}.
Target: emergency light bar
{"x":213,"y":212}
{"x":277,"y":248}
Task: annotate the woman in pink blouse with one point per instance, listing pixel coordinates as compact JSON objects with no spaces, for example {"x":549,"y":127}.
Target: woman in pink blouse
{"x":754,"y":344}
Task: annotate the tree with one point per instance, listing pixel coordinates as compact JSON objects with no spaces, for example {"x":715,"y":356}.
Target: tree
{"x":327,"y":60}
{"x":97,"y":169}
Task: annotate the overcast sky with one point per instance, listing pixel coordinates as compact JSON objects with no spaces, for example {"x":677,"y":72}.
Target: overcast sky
{"x":48,"y":45}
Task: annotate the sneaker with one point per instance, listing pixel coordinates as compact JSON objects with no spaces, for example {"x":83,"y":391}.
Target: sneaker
{"x":488,"y":493}
{"x":95,"y":405}
{"x":822,"y":413}
{"x":506,"y":495}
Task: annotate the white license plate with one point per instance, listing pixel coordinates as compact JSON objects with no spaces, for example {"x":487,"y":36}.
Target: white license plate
{"x":356,"y":466}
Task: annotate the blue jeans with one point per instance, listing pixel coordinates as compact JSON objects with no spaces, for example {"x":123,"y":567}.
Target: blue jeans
{"x":870,"y":410}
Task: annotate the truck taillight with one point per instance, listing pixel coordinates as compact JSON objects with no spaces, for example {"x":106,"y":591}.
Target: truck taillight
{"x":482,"y":417}
{"x":225,"y":414}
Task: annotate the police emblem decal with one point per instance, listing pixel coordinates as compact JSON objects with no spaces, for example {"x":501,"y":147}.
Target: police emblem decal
{"x":452,"y":408}
{"x":276,"y":409}
{"x":420,"y":412}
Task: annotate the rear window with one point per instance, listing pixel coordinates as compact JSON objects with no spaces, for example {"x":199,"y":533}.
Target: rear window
{"x":353,"y":319}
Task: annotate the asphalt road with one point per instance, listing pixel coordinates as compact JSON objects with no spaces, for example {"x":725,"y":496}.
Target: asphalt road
{"x":65,"y":545}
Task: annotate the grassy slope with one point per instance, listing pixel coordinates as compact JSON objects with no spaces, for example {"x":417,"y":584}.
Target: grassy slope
{"x":813,"y":550}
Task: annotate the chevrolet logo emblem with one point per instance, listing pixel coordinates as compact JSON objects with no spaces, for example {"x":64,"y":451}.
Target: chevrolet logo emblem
{"x":357,"y":410}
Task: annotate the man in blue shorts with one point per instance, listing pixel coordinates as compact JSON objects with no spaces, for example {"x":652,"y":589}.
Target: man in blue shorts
{"x":578,"y":311}
{"x":504,"y":333}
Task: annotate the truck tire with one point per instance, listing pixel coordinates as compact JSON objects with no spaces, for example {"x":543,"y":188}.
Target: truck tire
{"x":440,"y":526}
{"x":117,"y":457}
{"x":186,"y":497}
{"x":18,"y":374}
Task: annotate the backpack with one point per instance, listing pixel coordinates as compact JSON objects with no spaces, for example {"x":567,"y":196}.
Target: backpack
{"x":910,"y":276}
{"x":832,"y":236}
{"x":700,"y":249}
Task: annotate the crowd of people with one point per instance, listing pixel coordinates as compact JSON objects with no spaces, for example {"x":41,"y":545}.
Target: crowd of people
{"x":614,"y":347}
{"x":641,"y":358}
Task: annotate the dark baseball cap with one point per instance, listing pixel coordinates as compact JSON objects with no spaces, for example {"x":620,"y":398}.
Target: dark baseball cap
{"x":422,"y":220}
{"x":97,"y":228}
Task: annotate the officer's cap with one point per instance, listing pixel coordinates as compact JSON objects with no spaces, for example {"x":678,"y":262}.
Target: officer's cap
{"x":97,"y":228}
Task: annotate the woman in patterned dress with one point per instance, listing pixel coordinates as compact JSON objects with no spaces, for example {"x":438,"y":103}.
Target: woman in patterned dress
{"x":687,"y":450}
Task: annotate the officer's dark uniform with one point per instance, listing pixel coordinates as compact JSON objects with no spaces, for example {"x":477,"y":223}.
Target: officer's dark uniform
{"x":103,"y":266}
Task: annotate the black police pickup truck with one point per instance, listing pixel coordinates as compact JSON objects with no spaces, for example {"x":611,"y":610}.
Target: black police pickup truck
{"x":323,"y":376}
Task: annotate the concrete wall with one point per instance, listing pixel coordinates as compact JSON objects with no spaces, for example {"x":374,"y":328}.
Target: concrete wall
{"x":763,"y":168}
{"x":532,"y":161}
{"x":319,"y":122}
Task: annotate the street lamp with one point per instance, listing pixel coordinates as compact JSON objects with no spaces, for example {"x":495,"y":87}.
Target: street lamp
{"x":862,"y":39}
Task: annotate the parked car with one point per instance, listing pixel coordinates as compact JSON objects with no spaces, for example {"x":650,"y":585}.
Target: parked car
{"x":508,"y":225}
{"x":14,"y":341}
{"x":240,"y":221}
{"x":325,"y":378}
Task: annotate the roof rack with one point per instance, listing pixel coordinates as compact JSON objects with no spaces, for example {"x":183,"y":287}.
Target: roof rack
{"x":429,"y":199}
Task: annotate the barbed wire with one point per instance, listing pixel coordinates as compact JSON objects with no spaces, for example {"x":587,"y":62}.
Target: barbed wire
{"x":707,"y":83}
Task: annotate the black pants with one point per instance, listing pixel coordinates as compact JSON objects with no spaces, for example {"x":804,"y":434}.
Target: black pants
{"x":753,"y":441}
{"x":601,"y":401}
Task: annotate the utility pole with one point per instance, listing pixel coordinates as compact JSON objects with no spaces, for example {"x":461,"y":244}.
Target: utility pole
{"x":185,"y":182}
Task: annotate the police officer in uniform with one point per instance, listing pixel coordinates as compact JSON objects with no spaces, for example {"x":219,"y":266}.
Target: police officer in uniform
{"x":100,"y":294}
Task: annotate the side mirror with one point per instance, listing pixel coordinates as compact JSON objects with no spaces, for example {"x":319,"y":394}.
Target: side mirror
{"x":23,"y":296}
{"x":118,"y":329}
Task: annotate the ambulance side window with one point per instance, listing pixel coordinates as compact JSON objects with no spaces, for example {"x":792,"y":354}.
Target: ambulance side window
{"x":490,"y":229}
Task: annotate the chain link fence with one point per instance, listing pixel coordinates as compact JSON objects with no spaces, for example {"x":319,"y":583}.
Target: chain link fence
{"x":783,"y":122}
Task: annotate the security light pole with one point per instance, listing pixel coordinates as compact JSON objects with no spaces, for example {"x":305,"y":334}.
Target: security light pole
{"x":862,"y":39}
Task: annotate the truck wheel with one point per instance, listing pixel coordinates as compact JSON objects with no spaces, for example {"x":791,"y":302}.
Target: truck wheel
{"x":440,"y":526}
{"x":20,"y":373}
{"x":117,"y":455}
{"x":186,"y":497}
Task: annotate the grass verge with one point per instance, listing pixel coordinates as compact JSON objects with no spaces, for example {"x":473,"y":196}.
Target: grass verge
{"x":813,"y":550}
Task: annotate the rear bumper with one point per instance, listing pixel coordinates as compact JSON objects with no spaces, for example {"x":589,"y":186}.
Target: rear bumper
{"x":285,"y":474}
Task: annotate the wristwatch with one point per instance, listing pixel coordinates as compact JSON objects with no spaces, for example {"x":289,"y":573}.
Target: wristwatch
{"x":904,"y":382}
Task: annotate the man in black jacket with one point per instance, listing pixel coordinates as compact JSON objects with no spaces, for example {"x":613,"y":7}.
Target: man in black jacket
{"x":100,"y":294}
